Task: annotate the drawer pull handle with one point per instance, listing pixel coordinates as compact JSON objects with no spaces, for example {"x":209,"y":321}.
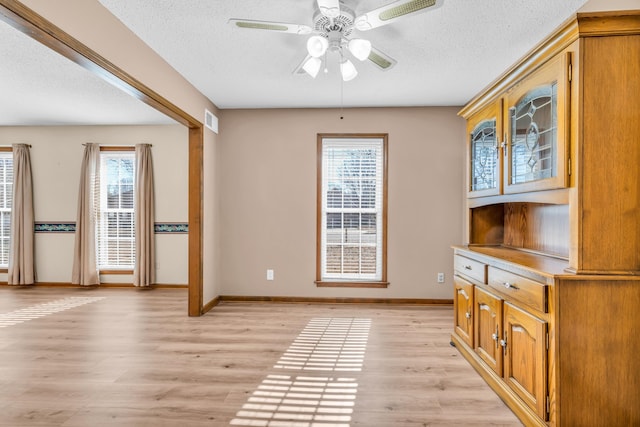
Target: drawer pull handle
{"x":510,"y":286}
{"x":468,"y":267}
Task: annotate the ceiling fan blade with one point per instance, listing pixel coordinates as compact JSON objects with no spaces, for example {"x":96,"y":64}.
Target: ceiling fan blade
{"x":390,"y":13}
{"x":329,"y":8}
{"x":381,"y":59}
{"x":271,"y":26}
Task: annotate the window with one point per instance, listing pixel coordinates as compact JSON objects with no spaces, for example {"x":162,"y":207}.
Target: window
{"x":6,"y":195}
{"x":352,"y":210}
{"x":115,"y":222}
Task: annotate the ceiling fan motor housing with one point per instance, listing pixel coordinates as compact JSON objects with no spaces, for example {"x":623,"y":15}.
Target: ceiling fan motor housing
{"x":342,"y":24}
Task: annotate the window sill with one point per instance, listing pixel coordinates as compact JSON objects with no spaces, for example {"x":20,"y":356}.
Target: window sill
{"x":354,"y":284}
{"x":115,"y":272}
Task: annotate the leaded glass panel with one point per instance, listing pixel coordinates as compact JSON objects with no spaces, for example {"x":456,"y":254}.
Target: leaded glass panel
{"x":484,"y":156}
{"x":534,"y":131}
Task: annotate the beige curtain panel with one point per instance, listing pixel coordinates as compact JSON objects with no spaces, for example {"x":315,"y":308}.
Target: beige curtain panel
{"x":21,"y":265}
{"x":144,"y":270}
{"x":85,"y":267}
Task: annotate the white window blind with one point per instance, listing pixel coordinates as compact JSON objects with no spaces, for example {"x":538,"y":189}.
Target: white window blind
{"x":6,"y":196}
{"x":352,"y":209}
{"x":115,"y":222}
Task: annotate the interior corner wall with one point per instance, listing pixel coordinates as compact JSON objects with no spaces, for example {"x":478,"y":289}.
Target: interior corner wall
{"x":56,"y":156}
{"x":268,"y":168}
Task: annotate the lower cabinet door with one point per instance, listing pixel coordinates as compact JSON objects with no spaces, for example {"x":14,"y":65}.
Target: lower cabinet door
{"x":463,"y":310}
{"x":525,"y":360}
{"x":488,"y":328}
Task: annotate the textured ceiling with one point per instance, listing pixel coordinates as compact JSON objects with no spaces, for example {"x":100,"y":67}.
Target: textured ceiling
{"x":40,"y":87}
{"x":445,"y":56}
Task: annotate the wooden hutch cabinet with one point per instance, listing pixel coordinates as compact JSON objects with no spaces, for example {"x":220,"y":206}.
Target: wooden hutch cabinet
{"x":547,"y":287}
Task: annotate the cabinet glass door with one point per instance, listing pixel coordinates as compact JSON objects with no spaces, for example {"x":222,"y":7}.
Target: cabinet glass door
{"x":485,"y":128}
{"x":534,"y":135}
{"x":484,"y":156}
{"x":536,"y":149}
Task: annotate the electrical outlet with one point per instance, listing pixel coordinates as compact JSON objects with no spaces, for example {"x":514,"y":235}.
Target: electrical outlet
{"x":269,"y":274}
{"x":440,"y":277}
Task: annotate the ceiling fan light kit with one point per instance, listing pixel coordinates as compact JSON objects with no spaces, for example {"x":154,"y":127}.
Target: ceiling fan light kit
{"x":348,"y":70}
{"x":360,"y":48}
{"x":317,"y":46}
{"x":333,"y":24}
{"x":312,"y":66}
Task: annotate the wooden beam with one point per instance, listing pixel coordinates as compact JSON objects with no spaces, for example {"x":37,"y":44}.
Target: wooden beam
{"x":196,"y":139}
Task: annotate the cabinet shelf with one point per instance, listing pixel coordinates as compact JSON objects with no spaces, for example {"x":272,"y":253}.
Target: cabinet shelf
{"x":552,"y":197}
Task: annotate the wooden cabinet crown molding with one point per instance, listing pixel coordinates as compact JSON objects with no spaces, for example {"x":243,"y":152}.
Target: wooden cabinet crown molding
{"x":612,"y":23}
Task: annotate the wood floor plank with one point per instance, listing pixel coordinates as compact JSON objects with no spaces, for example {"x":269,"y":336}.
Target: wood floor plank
{"x":134,"y":358}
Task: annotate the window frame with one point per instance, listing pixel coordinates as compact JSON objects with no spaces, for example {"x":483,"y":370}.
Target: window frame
{"x":355,"y":283}
{"x":111,"y":270}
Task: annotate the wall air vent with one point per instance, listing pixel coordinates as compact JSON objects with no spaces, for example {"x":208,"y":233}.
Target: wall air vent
{"x":210,"y":121}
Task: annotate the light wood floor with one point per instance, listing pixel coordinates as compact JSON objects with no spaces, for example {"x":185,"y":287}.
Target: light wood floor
{"x":126,"y":357}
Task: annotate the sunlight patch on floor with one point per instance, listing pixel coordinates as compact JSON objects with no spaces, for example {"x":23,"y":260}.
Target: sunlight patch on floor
{"x":311,"y":399}
{"x":328,"y":344}
{"x":34,"y":312}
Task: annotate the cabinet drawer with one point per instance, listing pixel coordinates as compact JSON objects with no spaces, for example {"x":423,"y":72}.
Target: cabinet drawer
{"x":518,"y":288}
{"x":474,"y":270}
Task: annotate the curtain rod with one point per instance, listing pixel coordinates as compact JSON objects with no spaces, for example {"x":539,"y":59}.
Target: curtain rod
{"x":9,"y":146}
{"x":85,"y":144}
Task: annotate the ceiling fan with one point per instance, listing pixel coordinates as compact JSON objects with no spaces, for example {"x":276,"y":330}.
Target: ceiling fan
{"x":333,"y":26}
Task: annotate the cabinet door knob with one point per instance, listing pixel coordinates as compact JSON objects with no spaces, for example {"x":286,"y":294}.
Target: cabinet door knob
{"x":503,"y":343}
{"x":467,"y":315}
{"x":504,"y":145}
{"x":510,"y":286}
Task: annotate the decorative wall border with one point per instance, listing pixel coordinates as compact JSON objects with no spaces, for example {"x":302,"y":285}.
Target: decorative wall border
{"x":55,"y":227}
{"x":171,"y":228}
{"x":70,"y":227}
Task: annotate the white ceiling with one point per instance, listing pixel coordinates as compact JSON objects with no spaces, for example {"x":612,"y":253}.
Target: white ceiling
{"x":40,"y":87}
{"x":445,"y":56}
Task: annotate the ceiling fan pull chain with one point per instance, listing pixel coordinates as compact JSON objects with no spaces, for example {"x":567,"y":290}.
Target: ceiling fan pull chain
{"x":341,"y":97}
